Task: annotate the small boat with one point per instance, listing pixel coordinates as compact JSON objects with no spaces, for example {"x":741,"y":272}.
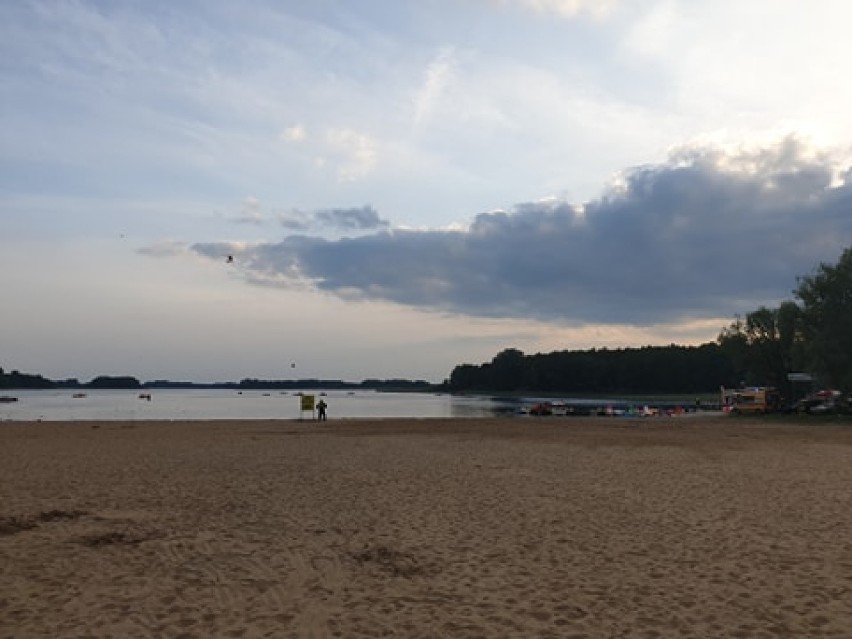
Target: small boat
{"x":78,"y":395}
{"x":5,"y":399}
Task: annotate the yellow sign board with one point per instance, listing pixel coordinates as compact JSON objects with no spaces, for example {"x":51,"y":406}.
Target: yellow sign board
{"x":307,"y":402}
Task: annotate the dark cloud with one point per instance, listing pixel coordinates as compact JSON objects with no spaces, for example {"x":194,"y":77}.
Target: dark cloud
{"x":255,"y":219}
{"x":704,"y":234}
{"x":356,"y":219}
{"x":294,"y":221}
{"x":362,"y":219}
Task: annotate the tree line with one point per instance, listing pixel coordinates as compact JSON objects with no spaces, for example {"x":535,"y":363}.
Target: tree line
{"x":810,"y":333}
{"x":16,"y":379}
{"x":650,"y":369}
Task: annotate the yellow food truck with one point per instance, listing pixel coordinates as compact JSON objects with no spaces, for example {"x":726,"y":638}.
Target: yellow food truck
{"x":756,"y":399}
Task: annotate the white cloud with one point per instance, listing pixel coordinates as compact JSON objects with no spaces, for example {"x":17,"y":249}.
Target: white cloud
{"x":439,"y":73}
{"x":750,"y":67}
{"x":355,"y":153}
{"x":566,"y":8}
{"x":250,"y":212}
{"x":652,"y":34}
{"x":295,"y":133}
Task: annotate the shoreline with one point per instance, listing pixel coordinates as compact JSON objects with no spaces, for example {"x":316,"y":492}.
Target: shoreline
{"x":465,"y":527}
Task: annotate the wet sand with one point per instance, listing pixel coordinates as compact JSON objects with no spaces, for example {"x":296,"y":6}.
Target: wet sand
{"x":554,"y":527}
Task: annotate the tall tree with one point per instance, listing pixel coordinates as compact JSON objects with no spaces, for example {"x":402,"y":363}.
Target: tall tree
{"x":826,"y":300}
{"x":734,"y":344}
{"x":771,"y":334}
{"x":764,"y":347}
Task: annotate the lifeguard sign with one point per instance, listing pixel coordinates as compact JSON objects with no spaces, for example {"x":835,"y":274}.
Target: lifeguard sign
{"x":306,"y":402}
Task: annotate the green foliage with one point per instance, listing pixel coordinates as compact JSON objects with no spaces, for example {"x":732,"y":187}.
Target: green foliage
{"x":813,"y":335}
{"x":734,"y":344}
{"x":765,"y":347}
{"x":826,"y":302}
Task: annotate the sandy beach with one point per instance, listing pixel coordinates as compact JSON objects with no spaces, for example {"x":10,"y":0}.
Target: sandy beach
{"x":569,"y":528}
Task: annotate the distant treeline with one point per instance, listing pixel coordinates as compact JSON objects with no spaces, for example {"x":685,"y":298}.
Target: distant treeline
{"x":651,"y":369}
{"x":23,"y":380}
{"x":16,"y":379}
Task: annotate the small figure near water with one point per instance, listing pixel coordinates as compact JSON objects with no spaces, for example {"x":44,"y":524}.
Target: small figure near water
{"x":321,"y":406}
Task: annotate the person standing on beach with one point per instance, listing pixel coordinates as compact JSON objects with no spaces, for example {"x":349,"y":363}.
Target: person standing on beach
{"x":321,"y":406}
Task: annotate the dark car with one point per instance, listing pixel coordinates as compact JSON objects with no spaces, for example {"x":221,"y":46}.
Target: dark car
{"x":822,"y":402}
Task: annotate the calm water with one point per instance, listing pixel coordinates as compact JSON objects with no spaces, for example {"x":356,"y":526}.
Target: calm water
{"x":58,"y":405}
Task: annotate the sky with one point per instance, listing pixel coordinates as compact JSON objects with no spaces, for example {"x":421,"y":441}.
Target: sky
{"x":405,"y":186}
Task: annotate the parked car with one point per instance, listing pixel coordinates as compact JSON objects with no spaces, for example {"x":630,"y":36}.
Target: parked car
{"x":822,"y":402}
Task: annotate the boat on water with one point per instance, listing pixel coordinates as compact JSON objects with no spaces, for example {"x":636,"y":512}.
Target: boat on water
{"x":6,"y":399}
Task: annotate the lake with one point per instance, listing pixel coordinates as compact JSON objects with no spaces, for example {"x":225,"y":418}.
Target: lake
{"x":166,"y":404}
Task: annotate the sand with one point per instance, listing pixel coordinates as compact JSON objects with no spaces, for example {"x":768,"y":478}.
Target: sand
{"x":553,"y":527}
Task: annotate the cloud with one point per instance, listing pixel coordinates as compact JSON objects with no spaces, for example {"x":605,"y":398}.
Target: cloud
{"x":250,"y":212}
{"x":708,"y":233}
{"x":439,"y":73}
{"x":364,"y":218}
{"x":566,"y":8}
{"x":653,"y":33}
{"x":295,"y":133}
{"x":355,"y":153}
{"x":295,"y":220}
{"x":357,"y":219}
